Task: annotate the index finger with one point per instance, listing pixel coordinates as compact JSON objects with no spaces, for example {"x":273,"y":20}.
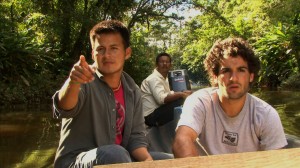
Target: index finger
{"x":84,"y":64}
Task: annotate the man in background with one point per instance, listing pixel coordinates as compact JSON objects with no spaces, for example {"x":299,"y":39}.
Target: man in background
{"x":158,"y":100}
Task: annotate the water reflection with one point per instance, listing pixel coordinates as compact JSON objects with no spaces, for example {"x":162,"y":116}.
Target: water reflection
{"x":30,"y":138}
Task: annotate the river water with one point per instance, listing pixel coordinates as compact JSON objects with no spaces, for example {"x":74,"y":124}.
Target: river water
{"x":30,"y":138}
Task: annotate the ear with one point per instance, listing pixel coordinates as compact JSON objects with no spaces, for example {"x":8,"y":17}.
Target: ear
{"x":251,"y":77}
{"x":215,"y":80}
{"x":93,"y":57}
{"x":128,"y":53}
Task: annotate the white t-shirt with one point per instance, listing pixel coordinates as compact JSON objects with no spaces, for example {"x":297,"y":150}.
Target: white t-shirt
{"x":257,"y":127}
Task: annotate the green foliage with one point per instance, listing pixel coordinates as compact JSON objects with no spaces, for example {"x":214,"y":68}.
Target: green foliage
{"x":277,"y":47}
{"x":140,"y":64}
{"x":149,"y":40}
{"x":284,"y":11}
{"x":292,"y":82}
{"x":24,"y":57}
{"x":276,"y":55}
{"x":43,"y":39}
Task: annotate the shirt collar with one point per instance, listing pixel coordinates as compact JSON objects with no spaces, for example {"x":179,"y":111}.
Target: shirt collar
{"x":155,"y":71}
{"x":98,"y":74}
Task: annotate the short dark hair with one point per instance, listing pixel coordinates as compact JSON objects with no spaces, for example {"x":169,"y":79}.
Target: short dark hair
{"x":233,"y":47}
{"x":110,"y":26}
{"x":160,"y":55}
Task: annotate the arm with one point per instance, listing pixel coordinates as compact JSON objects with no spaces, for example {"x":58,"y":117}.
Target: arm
{"x":137,"y":142}
{"x":160,"y":92}
{"x":68,"y":94}
{"x":177,"y":95}
{"x":184,"y":142}
{"x":141,"y":154}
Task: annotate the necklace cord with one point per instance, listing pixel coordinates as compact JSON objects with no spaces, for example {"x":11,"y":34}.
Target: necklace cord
{"x":117,"y":87}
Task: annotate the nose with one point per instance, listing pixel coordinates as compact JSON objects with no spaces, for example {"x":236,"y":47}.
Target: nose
{"x":106,"y":53}
{"x":234,"y":76}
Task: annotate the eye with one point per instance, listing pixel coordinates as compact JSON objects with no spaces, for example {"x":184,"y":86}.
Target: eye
{"x":243,"y":69}
{"x":114,"y":48}
{"x":224,"y":70}
{"x":101,"y":50}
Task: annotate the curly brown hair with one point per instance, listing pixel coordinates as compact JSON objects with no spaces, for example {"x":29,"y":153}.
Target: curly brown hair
{"x":233,"y":47}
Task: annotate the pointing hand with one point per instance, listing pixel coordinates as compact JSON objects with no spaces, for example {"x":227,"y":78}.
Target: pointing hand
{"x":81,"y":72}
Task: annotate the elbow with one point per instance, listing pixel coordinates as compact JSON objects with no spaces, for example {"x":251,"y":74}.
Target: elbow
{"x":178,"y":146}
{"x":175,"y":150}
{"x":184,"y":146}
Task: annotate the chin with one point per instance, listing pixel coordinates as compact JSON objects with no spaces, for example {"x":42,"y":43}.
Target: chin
{"x":235,"y":96}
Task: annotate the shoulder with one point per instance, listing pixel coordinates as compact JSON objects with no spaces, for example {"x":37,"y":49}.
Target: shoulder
{"x":262,"y":110}
{"x":153,"y":80}
{"x":204,"y":93}
{"x":153,"y":77}
{"x":128,"y":81}
{"x":202,"y":97}
{"x":259,"y":104}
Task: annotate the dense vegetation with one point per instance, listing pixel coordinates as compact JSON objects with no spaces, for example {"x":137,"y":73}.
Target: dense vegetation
{"x":41,"y":40}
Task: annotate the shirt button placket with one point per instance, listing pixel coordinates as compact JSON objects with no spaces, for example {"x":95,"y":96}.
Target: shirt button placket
{"x":113,"y":110}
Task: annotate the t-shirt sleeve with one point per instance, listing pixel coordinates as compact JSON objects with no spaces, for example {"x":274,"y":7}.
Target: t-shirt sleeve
{"x":272,"y":135}
{"x":192,"y":114}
